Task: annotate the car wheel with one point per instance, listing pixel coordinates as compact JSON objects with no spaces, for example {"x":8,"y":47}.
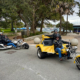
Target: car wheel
{"x":40,"y":54}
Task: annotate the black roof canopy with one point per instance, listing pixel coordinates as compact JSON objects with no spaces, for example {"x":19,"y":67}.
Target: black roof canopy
{"x":76,"y":26}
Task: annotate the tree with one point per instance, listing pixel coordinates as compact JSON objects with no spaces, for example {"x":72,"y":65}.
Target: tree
{"x":23,"y":11}
{"x":49,"y":24}
{"x":32,"y":12}
{"x":70,"y":25}
{"x":9,"y":11}
{"x":78,"y":3}
{"x":4,"y":24}
{"x":69,"y":11}
{"x":44,"y":13}
{"x":61,"y":6}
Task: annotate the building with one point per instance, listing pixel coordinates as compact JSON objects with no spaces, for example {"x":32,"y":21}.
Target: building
{"x":76,"y":28}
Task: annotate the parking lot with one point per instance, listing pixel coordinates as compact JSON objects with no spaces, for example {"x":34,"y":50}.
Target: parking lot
{"x":25,"y":65}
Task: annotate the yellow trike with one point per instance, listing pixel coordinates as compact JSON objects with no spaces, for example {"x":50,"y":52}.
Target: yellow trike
{"x":46,"y":47}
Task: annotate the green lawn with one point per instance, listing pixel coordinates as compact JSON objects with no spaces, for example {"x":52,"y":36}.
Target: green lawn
{"x":11,"y":33}
{"x":6,"y":30}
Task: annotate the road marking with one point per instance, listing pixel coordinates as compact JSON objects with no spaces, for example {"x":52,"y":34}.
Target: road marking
{"x":37,"y":73}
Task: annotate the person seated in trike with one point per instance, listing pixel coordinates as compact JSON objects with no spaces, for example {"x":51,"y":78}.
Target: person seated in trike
{"x":58,"y":47}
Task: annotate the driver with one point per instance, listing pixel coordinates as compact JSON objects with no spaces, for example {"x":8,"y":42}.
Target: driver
{"x":55,"y":34}
{"x":58,"y":46}
{"x":6,"y":41}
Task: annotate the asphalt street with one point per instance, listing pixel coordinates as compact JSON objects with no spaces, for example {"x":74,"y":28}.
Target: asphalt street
{"x":25,"y":65}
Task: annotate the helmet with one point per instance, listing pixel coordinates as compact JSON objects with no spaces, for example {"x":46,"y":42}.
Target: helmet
{"x":55,"y":30}
{"x":57,"y":35}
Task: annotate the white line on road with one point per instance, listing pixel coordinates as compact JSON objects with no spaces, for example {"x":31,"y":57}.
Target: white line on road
{"x":37,"y":73}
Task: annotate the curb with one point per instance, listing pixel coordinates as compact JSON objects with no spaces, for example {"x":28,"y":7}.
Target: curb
{"x":32,"y":37}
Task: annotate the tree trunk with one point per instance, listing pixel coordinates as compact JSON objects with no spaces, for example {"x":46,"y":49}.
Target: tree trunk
{"x":67,"y":24}
{"x":63,"y":30}
{"x":33,"y":27}
{"x":28,"y":33}
{"x":27,"y":27}
{"x":12,"y":26}
{"x":41,"y":25}
{"x":60,"y":22}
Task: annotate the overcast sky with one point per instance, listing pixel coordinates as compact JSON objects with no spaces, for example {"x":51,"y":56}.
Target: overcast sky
{"x":72,"y":18}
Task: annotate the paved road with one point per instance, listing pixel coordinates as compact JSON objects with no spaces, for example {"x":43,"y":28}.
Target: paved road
{"x":25,"y":65}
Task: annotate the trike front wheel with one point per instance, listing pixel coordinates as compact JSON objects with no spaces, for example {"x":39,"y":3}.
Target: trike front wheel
{"x":78,"y":66}
{"x":78,"y":63}
{"x":41,"y":54}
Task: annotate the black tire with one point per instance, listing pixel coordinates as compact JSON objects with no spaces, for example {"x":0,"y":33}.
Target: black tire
{"x":78,"y":66}
{"x":78,"y":63}
{"x":41,"y":55}
{"x":26,"y":46}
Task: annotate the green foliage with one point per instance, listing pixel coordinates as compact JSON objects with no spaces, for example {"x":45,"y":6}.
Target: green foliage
{"x":37,"y":33}
{"x":31,"y":34}
{"x":62,"y":7}
{"x":4,"y":24}
{"x":30,"y":11}
{"x":48,"y":24}
{"x":69,"y":25}
{"x":0,"y":30}
{"x":18,"y":25}
{"x":78,"y":3}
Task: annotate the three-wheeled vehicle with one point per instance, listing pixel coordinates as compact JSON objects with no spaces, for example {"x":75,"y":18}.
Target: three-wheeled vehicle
{"x":6,"y":43}
{"x":46,"y":47}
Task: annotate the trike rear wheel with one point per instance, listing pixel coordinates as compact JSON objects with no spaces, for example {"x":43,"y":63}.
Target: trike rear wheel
{"x":26,"y":46}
